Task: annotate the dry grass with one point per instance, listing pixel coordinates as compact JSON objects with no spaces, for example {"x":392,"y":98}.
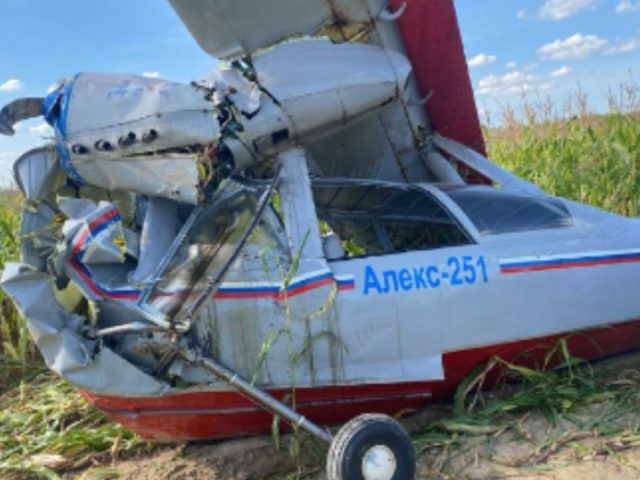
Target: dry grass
{"x":47,"y":427}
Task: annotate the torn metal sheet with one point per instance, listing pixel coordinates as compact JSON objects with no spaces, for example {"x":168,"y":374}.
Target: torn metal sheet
{"x":242,"y":28}
{"x":36,"y":172}
{"x":66,"y":351}
{"x":242,"y":92}
{"x":158,"y":232}
{"x":94,"y":236}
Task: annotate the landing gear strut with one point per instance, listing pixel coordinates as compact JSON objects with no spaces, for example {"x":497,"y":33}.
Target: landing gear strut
{"x":369,"y":447}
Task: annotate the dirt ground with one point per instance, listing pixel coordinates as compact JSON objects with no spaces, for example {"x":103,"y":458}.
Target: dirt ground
{"x":256,"y":458}
{"x":549,"y":452}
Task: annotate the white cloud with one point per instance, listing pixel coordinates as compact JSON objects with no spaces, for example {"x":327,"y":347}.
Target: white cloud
{"x":522,"y":14}
{"x":561,"y":9}
{"x":627,"y":6}
{"x":41,"y":130}
{"x":511,"y":65}
{"x":12,"y":85}
{"x":513,"y":82}
{"x":624,"y":46}
{"x":482,"y":59}
{"x":489,"y":82}
{"x":561,"y":72}
{"x":517,"y":77}
{"x":576,"y":46}
{"x":151,"y":74}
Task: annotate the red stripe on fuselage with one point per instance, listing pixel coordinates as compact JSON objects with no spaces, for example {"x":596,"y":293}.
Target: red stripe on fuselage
{"x":184,"y":416}
{"x":559,"y":266}
{"x":305,"y":288}
{"x":247,"y":294}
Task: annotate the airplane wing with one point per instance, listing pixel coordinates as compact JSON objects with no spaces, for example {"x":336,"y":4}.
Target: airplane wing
{"x":391,"y":145}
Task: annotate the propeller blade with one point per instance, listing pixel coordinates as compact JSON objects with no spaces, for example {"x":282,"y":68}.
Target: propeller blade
{"x":17,"y":111}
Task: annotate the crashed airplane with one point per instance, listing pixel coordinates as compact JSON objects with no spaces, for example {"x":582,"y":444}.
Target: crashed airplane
{"x":316,"y":216}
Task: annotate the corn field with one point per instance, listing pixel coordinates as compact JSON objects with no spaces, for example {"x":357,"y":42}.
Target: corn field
{"x":572,"y":153}
{"x":18,"y":356}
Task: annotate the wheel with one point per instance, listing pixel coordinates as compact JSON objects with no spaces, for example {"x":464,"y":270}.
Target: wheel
{"x":371,"y":447}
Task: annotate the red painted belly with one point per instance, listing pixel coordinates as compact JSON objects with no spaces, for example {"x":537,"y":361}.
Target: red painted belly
{"x":209,"y":415}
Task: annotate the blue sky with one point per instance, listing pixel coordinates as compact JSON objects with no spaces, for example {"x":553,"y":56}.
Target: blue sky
{"x":514,"y":47}
{"x":549,"y":48}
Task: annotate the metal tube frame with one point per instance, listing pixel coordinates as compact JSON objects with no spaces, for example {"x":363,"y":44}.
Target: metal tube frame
{"x":259,"y":396}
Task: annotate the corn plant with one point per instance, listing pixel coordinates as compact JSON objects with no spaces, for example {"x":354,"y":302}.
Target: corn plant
{"x":570,"y":152}
{"x":18,"y":356}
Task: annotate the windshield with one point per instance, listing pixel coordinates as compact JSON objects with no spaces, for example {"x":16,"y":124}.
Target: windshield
{"x":496,"y":211}
{"x":211,"y":245}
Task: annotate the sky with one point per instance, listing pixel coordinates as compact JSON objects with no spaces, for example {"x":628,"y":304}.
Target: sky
{"x":536,"y":48}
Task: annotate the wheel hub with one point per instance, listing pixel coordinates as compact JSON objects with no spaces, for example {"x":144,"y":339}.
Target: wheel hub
{"x":379,"y":463}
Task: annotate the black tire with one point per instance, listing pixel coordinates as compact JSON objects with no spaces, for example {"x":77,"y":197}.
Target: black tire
{"x":366,"y":434}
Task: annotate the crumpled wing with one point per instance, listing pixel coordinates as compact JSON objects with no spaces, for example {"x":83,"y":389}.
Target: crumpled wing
{"x":234,"y":28}
{"x":17,"y":111}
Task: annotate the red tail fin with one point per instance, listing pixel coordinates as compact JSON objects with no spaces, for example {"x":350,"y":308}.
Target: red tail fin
{"x":434,"y":46}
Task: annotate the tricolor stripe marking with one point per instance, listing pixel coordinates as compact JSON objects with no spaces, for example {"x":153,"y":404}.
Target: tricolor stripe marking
{"x":301,"y":284}
{"x":558,"y":262}
{"x":95,"y":227}
{"x":346,"y":282}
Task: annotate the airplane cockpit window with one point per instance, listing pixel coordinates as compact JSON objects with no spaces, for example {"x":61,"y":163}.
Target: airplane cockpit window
{"x":415,"y":221}
{"x":495,"y":211}
{"x":376,"y":219}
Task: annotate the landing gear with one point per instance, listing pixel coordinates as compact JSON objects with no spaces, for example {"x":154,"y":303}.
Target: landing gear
{"x":371,"y":447}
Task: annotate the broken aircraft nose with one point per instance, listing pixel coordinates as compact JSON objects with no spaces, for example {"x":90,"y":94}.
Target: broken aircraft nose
{"x":194,"y":135}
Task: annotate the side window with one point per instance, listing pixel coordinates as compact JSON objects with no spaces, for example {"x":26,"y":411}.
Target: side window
{"x":415,"y":221}
{"x":366,"y":220}
{"x":407,"y":235}
{"x":495,"y":211}
{"x":358,"y":236}
{"x":347,"y":215}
